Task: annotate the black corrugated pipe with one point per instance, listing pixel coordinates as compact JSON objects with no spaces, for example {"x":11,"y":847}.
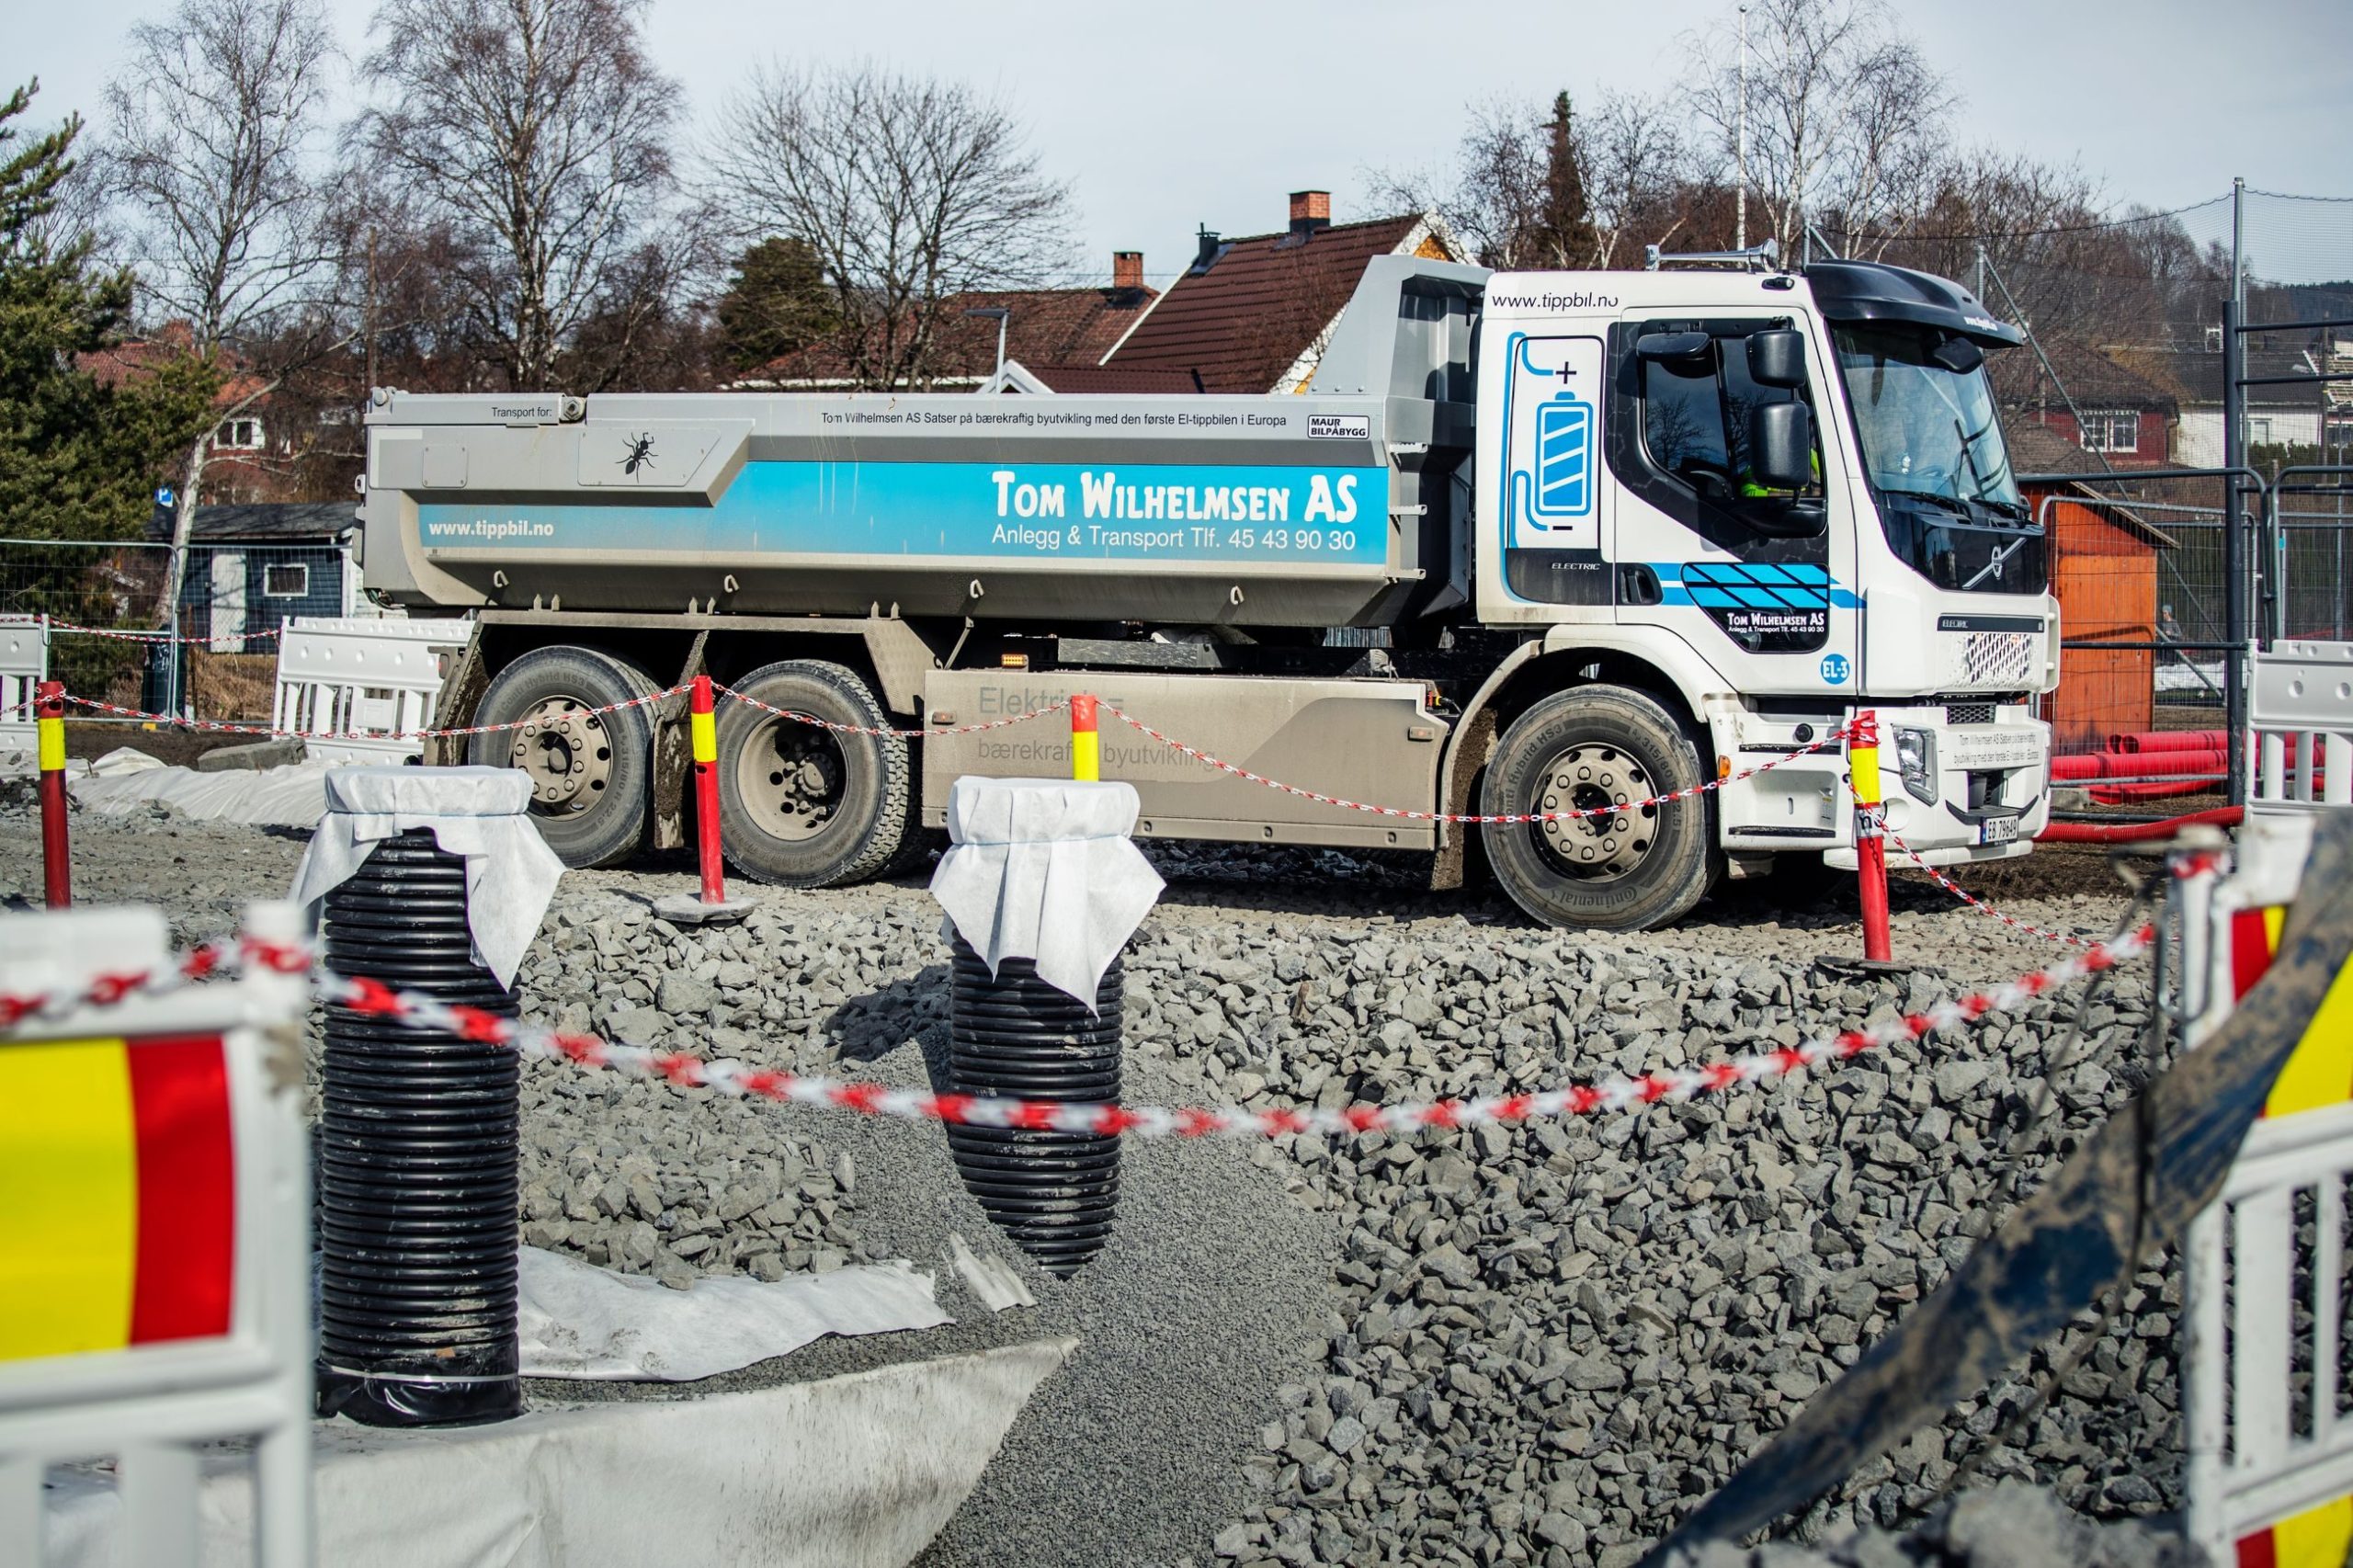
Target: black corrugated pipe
{"x":418,"y":1163}
{"x":1054,"y":1193}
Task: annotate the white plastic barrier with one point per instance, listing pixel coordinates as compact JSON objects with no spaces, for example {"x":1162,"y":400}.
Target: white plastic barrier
{"x":154,"y":1248}
{"x":24,"y":663}
{"x":2270,"y":1471}
{"x":2300,"y":706}
{"x":363,"y":678}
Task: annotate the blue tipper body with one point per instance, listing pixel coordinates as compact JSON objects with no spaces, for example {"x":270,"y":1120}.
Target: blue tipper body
{"x":1129,"y":512}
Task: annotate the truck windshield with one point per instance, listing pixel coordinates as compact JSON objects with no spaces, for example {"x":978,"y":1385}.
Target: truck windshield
{"x":1927,"y":430}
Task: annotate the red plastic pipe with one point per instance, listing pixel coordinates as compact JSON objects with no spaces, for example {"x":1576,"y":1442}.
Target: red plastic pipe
{"x":49,"y":727}
{"x":2137,"y":832}
{"x":2170,"y":740}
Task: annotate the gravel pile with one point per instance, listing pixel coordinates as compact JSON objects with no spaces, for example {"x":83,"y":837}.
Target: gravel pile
{"x":1540,"y":1344}
{"x":2009,"y":1525}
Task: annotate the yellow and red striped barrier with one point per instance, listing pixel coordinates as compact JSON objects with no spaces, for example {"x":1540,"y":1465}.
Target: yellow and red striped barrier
{"x":119,"y":1227}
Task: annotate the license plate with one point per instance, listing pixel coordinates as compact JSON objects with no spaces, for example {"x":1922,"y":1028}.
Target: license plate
{"x":1998,"y":830}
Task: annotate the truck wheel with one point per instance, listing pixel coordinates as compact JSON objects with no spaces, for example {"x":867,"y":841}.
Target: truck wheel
{"x":1593,"y":746}
{"x":800,"y":805}
{"x":591,"y":773}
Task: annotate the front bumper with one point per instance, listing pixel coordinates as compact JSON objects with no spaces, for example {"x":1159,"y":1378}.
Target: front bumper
{"x":1988,"y":786}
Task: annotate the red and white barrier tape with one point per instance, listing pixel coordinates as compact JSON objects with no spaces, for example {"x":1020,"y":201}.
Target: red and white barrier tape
{"x":115,"y":987}
{"x":1510,"y":819}
{"x":373,"y":998}
{"x":1977,"y":904}
{"x":222,"y":726}
{"x":810,"y":719}
{"x":1618,"y":1093}
{"x":165,"y":636}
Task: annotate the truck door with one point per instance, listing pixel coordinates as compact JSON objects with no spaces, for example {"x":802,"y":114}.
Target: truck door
{"x":1555,"y":506}
{"x":1759,"y":580}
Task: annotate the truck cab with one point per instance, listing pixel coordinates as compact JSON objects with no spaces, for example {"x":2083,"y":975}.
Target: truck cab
{"x":1787,"y":495}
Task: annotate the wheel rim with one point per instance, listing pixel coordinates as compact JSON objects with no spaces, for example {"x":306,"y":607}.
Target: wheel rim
{"x":567,"y":752}
{"x":791,"y":777}
{"x":1590,"y":777}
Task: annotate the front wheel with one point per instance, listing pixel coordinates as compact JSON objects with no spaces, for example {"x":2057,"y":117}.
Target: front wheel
{"x":802,"y":805}
{"x":1630,"y":867}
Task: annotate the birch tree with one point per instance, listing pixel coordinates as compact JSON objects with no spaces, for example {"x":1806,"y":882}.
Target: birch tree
{"x":909,"y":191}
{"x":539,"y":132}
{"x":215,"y":121}
{"x":1844,"y":114}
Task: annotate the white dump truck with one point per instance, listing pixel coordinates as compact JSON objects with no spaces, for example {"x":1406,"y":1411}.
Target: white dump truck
{"x":1528,"y":542}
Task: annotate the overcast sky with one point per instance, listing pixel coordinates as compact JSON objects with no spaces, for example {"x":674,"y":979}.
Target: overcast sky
{"x":1164,"y":116}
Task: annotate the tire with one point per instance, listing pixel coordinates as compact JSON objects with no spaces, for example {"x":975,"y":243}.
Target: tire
{"x":1624,"y":873}
{"x":595,"y":812}
{"x":840,"y":812}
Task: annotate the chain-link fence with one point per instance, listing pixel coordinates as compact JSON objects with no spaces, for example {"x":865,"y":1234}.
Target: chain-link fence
{"x":211,"y":654}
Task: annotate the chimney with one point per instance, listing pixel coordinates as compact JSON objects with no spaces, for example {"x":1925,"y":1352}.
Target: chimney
{"x":1127,"y":271}
{"x":1310,"y":210}
{"x":1210,"y":246}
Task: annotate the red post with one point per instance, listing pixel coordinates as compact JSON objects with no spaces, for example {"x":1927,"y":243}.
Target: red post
{"x":1871,"y":847}
{"x":48,"y":726}
{"x":706,"y":754}
{"x":1086,"y":740}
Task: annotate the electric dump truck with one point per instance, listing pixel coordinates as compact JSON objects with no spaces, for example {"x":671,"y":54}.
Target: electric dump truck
{"x":1526,"y":543}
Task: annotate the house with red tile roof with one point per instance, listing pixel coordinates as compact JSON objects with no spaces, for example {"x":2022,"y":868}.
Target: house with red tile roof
{"x":1255,"y":314}
{"x":1043,"y":327}
{"x":253,"y":452}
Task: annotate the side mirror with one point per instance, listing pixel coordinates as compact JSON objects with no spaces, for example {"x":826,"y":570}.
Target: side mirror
{"x":1671,"y":345}
{"x":1777,"y":358}
{"x":1780,"y":446}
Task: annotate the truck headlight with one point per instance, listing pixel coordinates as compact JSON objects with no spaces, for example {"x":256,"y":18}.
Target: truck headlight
{"x":1915,"y":756}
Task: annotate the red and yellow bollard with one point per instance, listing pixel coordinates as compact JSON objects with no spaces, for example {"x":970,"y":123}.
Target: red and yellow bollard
{"x":711,"y":905}
{"x":1870,"y":846}
{"x":49,"y":724}
{"x":703,"y":727}
{"x":1085,"y":741}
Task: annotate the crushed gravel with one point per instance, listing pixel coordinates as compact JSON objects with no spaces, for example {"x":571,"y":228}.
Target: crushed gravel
{"x":1540,"y":1344}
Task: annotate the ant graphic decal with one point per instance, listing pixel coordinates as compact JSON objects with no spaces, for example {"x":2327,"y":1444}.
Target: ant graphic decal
{"x":641,"y":453}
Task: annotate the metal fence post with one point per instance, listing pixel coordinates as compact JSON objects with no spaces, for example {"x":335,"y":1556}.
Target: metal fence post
{"x":2234,"y":557}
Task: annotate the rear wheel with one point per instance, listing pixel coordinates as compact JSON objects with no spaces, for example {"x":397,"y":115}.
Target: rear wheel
{"x":591,"y":772}
{"x":802,"y":805}
{"x":1601,"y":749}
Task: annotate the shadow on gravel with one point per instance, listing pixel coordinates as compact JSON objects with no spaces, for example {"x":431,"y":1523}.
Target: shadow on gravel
{"x":869,"y":1027}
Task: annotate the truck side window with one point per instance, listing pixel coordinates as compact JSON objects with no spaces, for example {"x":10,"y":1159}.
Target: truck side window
{"x":1695,"y":419}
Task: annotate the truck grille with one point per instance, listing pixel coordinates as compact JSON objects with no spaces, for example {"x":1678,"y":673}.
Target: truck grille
{"x":1969,"y":713}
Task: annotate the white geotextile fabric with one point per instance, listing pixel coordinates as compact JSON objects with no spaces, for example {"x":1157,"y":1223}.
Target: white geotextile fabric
{"x":579,"y":1321}
{"x":293,"y":796}
{"x":1043,"y":868}
{"x":481,"y":813}
{"x":854,"y":1471}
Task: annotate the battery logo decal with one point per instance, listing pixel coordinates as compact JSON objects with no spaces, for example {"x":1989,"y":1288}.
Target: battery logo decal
{"x":1564,"y":457}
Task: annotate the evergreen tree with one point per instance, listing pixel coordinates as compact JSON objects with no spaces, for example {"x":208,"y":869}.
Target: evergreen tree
{"x":77,"y":459}
{"x":777,"y":302}
{"x":1564,"y":234}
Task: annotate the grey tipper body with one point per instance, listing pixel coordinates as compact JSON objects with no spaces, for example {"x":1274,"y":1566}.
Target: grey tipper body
{"x":1392,"y":589}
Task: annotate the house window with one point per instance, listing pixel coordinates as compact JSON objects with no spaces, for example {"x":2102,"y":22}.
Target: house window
{"x":2113,"y":430}
{"x":238,"y":436}
{"x":285,"y":582}
{"x":2258,"y":432}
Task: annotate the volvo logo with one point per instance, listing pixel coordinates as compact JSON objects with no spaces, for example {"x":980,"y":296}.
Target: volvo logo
{"x":1994,"y":562}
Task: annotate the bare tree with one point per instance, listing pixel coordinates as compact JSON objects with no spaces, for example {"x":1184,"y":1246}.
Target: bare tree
{"x":1844,"y":113}
{"x":541,"y":130}
{"x":214,"y":118}
{"x":910,"y":191}
{"x":1532,"y":186}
